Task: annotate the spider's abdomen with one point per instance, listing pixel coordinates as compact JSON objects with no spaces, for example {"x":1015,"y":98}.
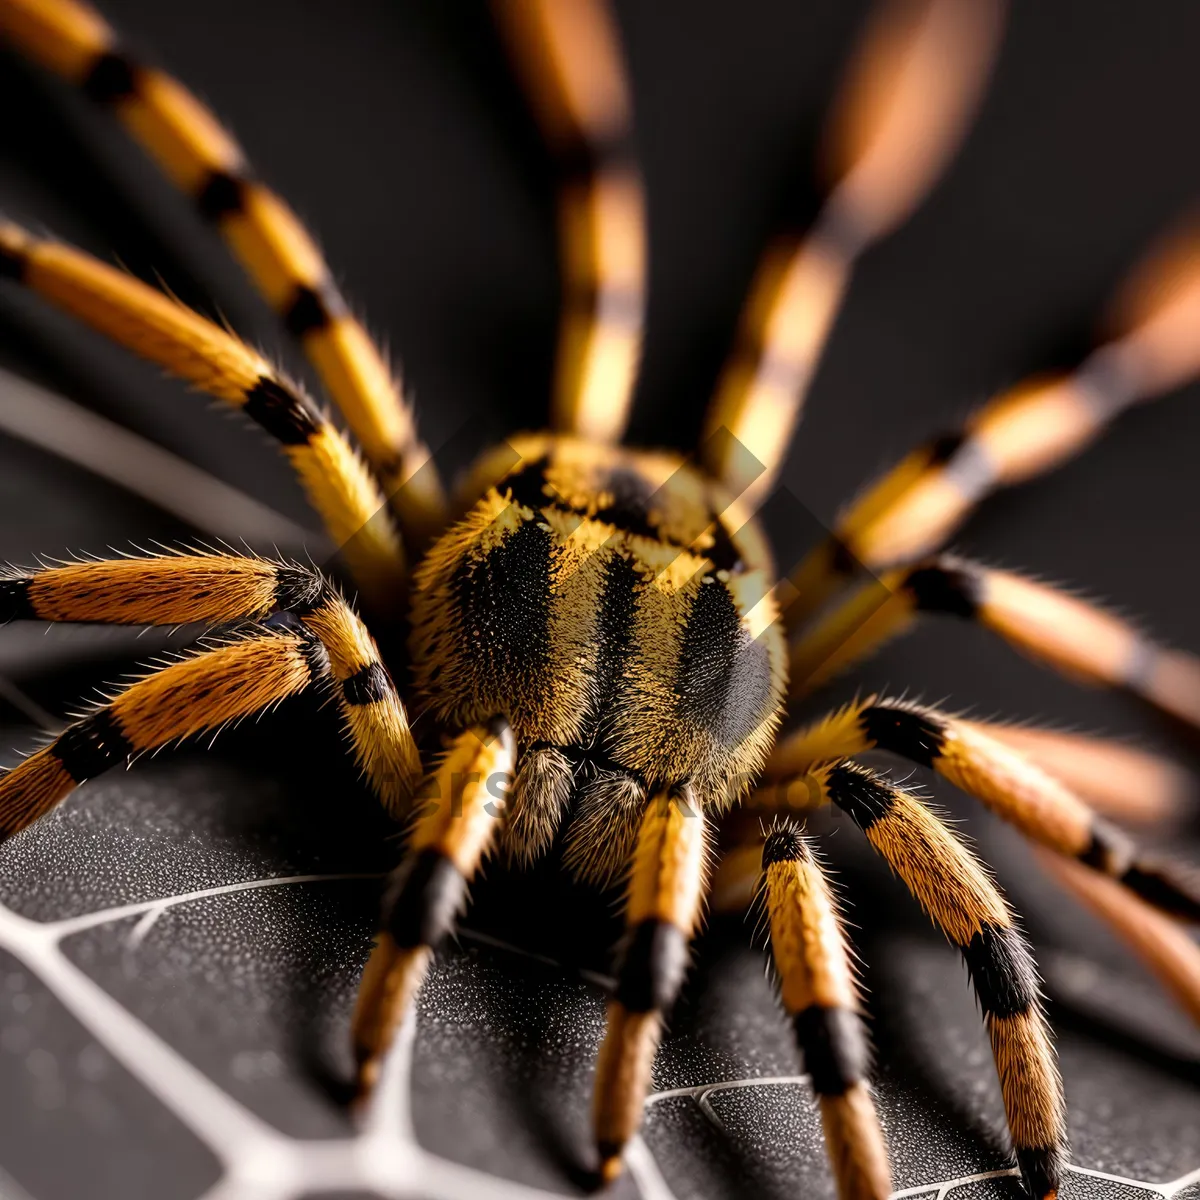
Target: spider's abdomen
{"x":596,"y":598}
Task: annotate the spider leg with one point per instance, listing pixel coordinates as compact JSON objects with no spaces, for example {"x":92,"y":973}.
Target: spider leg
{"x":568,"y":53}
{"x":1009,"y":784}
{"x":954,"y":889}
{"x":902,"y":112}
{"x":1116,"y":779}
{"x":1164,"y":946}
{"x":450,"y":836}
{"x":1078,"y":638}
{"x":207,"y":690}
{"x":662,"y":909}
{"x":201,"y":158}
{"x":1033,"y":427}
{"x":156,"y":327}
{"x":820,"y":995}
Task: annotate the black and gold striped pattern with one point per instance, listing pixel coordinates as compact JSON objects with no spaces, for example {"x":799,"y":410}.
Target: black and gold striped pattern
{"x":198,"y":694}
{"x":954,"y":889}
{"x":1033,"y":427}
{"x":1077,"y":638}
{"x":457,"y":824}
{"x":1011,"y":785}
{"x":338,"y":484}
{"x":901,"y":114}
{"x":568,"y":52}
{"x":818,"y":990}
{"x":662,"y":910}
{"x":1166,"y":947}
{"x":599,"y":599}
{"x":1122,"y":781}
{"x":373,"y":715}
{"x":602,"y":625}
{"x":203,"y":160}
{"x":183,"y":589}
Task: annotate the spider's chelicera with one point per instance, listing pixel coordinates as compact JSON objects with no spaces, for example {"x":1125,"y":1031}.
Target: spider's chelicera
{"x":600,"y":633}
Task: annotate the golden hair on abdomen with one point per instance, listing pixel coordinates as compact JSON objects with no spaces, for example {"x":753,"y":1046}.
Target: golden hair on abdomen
{"x":598,"y":599}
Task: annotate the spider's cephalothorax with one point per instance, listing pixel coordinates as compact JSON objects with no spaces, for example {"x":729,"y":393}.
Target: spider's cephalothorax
{"x":614,"y":607}
{"x":601,"y":631}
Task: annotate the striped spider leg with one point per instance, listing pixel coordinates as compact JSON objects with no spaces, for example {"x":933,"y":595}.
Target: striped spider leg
{"x":1078,"y":638}
{"x":338,"y":484}
{"x":898,"y":118}
{"x":202,"y":159}
{"x":1033,"y":427}
{"x":315,"y":638}
{"x":820,"y":994}
{"x":568,"y":55}
{"x":907,"y":516}
{"x":600,"y":634}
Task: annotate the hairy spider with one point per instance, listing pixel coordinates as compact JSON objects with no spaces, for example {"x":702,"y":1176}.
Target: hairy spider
{"x":599,"y":632}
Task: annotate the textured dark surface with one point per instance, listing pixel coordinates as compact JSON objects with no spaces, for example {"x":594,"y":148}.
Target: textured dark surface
{"x":145,"y":1053}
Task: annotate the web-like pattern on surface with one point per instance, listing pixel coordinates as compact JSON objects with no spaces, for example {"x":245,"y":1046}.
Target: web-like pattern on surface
{"x":1025,"y":252}
{"x":258,"y":1162}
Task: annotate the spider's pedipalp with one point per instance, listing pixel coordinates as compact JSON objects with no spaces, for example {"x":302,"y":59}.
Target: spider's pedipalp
{"x":603,"y":831}
{"x":619,"y":607}
{"x":1078,"y":638}
{"x":569,"y":55}
{"x":463,"y":800}
{"x":957,"y":893}
{"x":1033,"y":427}
{"x":182,"y":589}
{"x":905,"y":106}
{"x":158,"y":328}
{"x":202,"y":159}
{"x":537,"y":803}
{"x":662,"y":910}
{"x":820,"y":995}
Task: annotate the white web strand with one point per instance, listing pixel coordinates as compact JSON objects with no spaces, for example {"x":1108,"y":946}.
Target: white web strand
{"x":260,"y":1163}
{"x":141,"y":467}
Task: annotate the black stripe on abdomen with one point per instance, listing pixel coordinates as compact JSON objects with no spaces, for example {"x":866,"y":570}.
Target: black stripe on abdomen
{"x":614,"y":627}
{"x":503,"y":602}
{"x":723,"y":676}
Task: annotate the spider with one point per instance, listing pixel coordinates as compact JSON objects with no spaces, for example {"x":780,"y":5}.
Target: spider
{"x":599,"y":633}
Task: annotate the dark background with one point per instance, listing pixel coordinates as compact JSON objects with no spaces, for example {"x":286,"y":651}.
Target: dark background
{"x":397,"y":132}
